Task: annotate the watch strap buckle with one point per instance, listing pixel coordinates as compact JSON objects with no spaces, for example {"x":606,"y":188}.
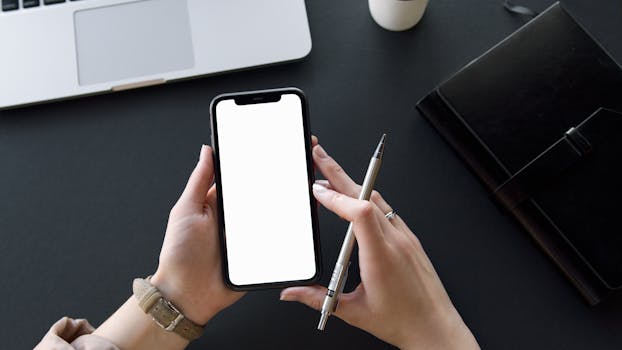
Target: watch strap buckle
{"x":164,"y":313}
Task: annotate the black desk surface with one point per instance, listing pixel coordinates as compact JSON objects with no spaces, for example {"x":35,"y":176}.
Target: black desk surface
{"x":86,"y":186}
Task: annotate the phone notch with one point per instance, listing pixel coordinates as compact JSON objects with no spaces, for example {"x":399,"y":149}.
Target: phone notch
{"x":256,"y":98}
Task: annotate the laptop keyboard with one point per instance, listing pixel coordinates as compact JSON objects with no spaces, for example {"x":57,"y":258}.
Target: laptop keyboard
{"x":11,"y":5}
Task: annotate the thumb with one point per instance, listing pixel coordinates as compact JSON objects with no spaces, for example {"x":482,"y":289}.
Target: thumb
{"x":313,"y":297}
{"x":201,"y":178}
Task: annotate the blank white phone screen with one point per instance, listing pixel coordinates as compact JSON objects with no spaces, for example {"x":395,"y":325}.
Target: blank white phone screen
{"x":265,"y":191}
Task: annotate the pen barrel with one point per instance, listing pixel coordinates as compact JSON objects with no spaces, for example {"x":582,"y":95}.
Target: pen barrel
{"x":338,"y":279}
{"x":333,"y":285}
{"x":346,"y":248}
{"x":370,"y":178}
{"x":340,"y":273}
{"x":348,"y":242}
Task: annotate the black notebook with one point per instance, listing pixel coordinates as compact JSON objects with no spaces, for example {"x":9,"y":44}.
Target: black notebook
{"x":535,"y":119}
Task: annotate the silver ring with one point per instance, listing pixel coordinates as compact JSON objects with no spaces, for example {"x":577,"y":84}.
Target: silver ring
{"x":390,"y":215}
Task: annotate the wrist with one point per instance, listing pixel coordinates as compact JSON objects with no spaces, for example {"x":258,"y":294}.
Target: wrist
{"x":447,"y":331}
{"x":184,"y":300}
{"x":130,"y":328}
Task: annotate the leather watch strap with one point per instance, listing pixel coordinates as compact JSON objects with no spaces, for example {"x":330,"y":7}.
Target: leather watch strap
{"x":163,"y":312}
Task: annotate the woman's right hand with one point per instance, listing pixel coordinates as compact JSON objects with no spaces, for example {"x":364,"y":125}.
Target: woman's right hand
{"x":400,"y":299}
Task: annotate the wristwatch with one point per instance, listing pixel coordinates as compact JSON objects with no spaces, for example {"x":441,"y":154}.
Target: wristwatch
{"x":163,"y":312}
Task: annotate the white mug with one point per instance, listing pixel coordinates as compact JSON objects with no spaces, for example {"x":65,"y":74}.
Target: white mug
{"x":397,"y":15}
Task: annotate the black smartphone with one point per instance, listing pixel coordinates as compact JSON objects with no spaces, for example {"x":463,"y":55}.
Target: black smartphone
{"x":264,"y":172}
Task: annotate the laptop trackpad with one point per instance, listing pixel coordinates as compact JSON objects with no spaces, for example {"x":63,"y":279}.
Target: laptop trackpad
{"x":131,"y":40}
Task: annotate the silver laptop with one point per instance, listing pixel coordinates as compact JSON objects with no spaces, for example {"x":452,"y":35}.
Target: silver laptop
{"x":55,"y":49}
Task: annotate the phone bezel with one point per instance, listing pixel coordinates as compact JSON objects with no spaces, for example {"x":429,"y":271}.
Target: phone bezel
{"x":254,"y":97}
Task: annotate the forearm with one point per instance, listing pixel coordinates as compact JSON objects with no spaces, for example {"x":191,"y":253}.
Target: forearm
{"x":130,"y":328}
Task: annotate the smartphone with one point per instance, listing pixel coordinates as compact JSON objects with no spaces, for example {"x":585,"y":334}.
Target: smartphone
{"x":263,"y":168}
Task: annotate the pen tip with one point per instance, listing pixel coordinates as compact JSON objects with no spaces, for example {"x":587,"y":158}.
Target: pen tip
{"x":380,"y":148}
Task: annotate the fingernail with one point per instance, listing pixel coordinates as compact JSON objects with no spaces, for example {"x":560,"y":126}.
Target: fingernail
{"x":317,"y":188}
{"x":324,"y":183}
{"x":202,"y":152}
{"x":285,"y":297}
{"x":320,"y":152}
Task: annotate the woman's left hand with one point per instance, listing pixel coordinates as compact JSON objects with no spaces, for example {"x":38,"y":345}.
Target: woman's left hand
{"x":190,"y":273}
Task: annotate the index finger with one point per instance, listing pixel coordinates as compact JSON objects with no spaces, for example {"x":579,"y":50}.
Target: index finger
{"x":340,"y":180}
{"x":362,"y":214}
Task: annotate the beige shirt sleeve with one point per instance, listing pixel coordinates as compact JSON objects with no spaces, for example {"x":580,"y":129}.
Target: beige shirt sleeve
{"x":70,"y":334}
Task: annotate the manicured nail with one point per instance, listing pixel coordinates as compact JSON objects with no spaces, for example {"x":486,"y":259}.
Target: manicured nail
{"x":320,"y":152}
{"x":317,"y":188}
{"x":324,"y":183}
{"x":202,"y":152}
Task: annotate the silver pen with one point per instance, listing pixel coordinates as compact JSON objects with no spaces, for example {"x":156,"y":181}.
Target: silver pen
{"x":340,"y":273}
